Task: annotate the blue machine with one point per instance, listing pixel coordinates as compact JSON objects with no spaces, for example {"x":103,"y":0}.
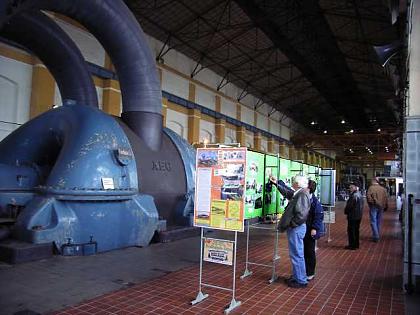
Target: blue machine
{"x":91,"y":190}
{"x":75,"y":175}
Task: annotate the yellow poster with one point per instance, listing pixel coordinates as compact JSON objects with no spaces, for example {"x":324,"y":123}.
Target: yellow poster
{"x":220,"y":185}
{"x":234,"y":209}
{"x":218,"y":214}
{"x":234,"y":225}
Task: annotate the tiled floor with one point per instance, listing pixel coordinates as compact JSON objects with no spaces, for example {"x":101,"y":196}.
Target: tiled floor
{"x":366,"y":281}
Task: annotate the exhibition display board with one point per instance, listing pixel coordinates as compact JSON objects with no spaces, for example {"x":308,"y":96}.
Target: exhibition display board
{"x":272,"y":197}
{"x":254,"y":184}
{"x":220,"y":204}
{"x":220,"y":187}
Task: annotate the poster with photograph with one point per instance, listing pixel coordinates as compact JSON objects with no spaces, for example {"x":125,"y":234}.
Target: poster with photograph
{"x":218,"y":251}
{"x":254,"y":184}
{"x":220,"y":188}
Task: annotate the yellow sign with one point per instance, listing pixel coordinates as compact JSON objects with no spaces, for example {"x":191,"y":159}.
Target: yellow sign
{"x":218,"y":251}
{"x":220,"y":185}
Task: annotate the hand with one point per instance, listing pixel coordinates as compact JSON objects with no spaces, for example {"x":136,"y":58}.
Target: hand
{"x":273,"y":180}
{"x":313,"y":232}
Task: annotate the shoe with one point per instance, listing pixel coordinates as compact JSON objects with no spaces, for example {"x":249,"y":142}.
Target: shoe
{"x":309,"y":278}
{"x":289,"y":280}
{"x":349,"y":247}
{"x":294,"y":284}
{"x":375,"y":240}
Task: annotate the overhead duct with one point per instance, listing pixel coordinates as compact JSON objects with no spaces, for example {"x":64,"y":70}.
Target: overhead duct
{"x":38,"y":33}
{"x":133,"y":61}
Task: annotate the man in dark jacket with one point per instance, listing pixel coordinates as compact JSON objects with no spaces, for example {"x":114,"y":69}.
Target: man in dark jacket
{"x":354,"y":212}
{"x":293,"y":221}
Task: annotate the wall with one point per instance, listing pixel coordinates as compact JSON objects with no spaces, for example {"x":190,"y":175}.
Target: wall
{"x":175,"y":78}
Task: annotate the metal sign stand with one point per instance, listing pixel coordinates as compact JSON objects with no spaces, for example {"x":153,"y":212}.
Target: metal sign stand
{"x":276,"y":256}
{"x":202,"y":296}
{"x":329,"y":222}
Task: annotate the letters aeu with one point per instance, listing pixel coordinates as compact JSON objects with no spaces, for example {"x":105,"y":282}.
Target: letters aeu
{"x":162,"y":166}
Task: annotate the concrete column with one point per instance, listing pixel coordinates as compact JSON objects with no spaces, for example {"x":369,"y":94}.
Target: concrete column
{"x":270,"y":145}
{"x":160,"y":74}
{"x":220,"y":127}
{"x":283,"y":150}
{"x":411,"y":145}
{"x":43,"y":90}
{"x":257,"y":141}
{"x":111,"y":97}
{"x":305,"y":156}
{"x":292,"y":153}
{"x":241,"y":135}
{"x":109,"y":65}
{"x":164,"y":110}
{"x":191,"y":92}
{"x":218,"y":103}
{"x":194,"y":116}
{"x":238,"y":112}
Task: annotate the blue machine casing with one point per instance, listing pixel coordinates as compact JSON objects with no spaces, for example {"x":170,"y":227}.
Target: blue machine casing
{"x":64,"y":157}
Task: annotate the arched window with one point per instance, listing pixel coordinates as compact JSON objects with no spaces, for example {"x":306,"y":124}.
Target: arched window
{"x":176,"y":127}
{"x":229,"y":139}
{"x":206,"y":136}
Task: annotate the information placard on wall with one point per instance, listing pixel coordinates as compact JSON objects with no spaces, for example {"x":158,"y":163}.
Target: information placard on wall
{"x":220,"y":187}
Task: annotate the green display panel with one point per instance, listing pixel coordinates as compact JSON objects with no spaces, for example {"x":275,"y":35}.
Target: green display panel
{"x":296,"y":168}
{"x":305,"y":169}
{"x":254,"y":182}
{"x":286,"y":176}
{"x":312,"y":173}
{"x":272,"y":200}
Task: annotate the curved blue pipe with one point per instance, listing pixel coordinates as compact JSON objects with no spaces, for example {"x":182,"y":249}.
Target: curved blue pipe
{"x":38,"y":33}
{"x":116,"y":28}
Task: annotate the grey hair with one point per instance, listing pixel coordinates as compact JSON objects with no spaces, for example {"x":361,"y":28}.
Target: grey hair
{"x":301,"y":181}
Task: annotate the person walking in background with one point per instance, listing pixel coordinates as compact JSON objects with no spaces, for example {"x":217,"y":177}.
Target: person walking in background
{"x":377,"y":199}
{"x":314,"y":226}
{"x":354,"y":212}
{"x":293,"y":221}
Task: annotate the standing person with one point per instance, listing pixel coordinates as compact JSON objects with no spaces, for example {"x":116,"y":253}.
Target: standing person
{"x":314,"y":226}
{"x":354,"y":212}
{"x":377,"y":199}
{"x":293,"y":221}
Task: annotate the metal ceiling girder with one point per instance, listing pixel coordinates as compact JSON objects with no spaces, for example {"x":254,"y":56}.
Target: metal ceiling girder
{"x":283,"y":42}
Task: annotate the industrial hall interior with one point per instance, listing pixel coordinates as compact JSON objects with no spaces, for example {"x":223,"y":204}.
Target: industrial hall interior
{"x":209,"y":157}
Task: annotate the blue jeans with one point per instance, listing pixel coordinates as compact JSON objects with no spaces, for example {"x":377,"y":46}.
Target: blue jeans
{"x":375,"y":214}
{"x":295,"y":237}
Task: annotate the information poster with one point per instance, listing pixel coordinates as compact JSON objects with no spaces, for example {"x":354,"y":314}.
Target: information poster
{"x":254,"y":182}
{"x":329,"y":216}
{"x":218,"y":251}
{"x":220,"y":187}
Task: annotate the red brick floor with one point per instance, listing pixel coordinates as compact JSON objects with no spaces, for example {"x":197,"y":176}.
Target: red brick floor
{"x":366,"y":281}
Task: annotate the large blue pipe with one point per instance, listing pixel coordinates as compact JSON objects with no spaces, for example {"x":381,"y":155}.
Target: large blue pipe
{"x":39,"y":34}
{"x":116,"y":28}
